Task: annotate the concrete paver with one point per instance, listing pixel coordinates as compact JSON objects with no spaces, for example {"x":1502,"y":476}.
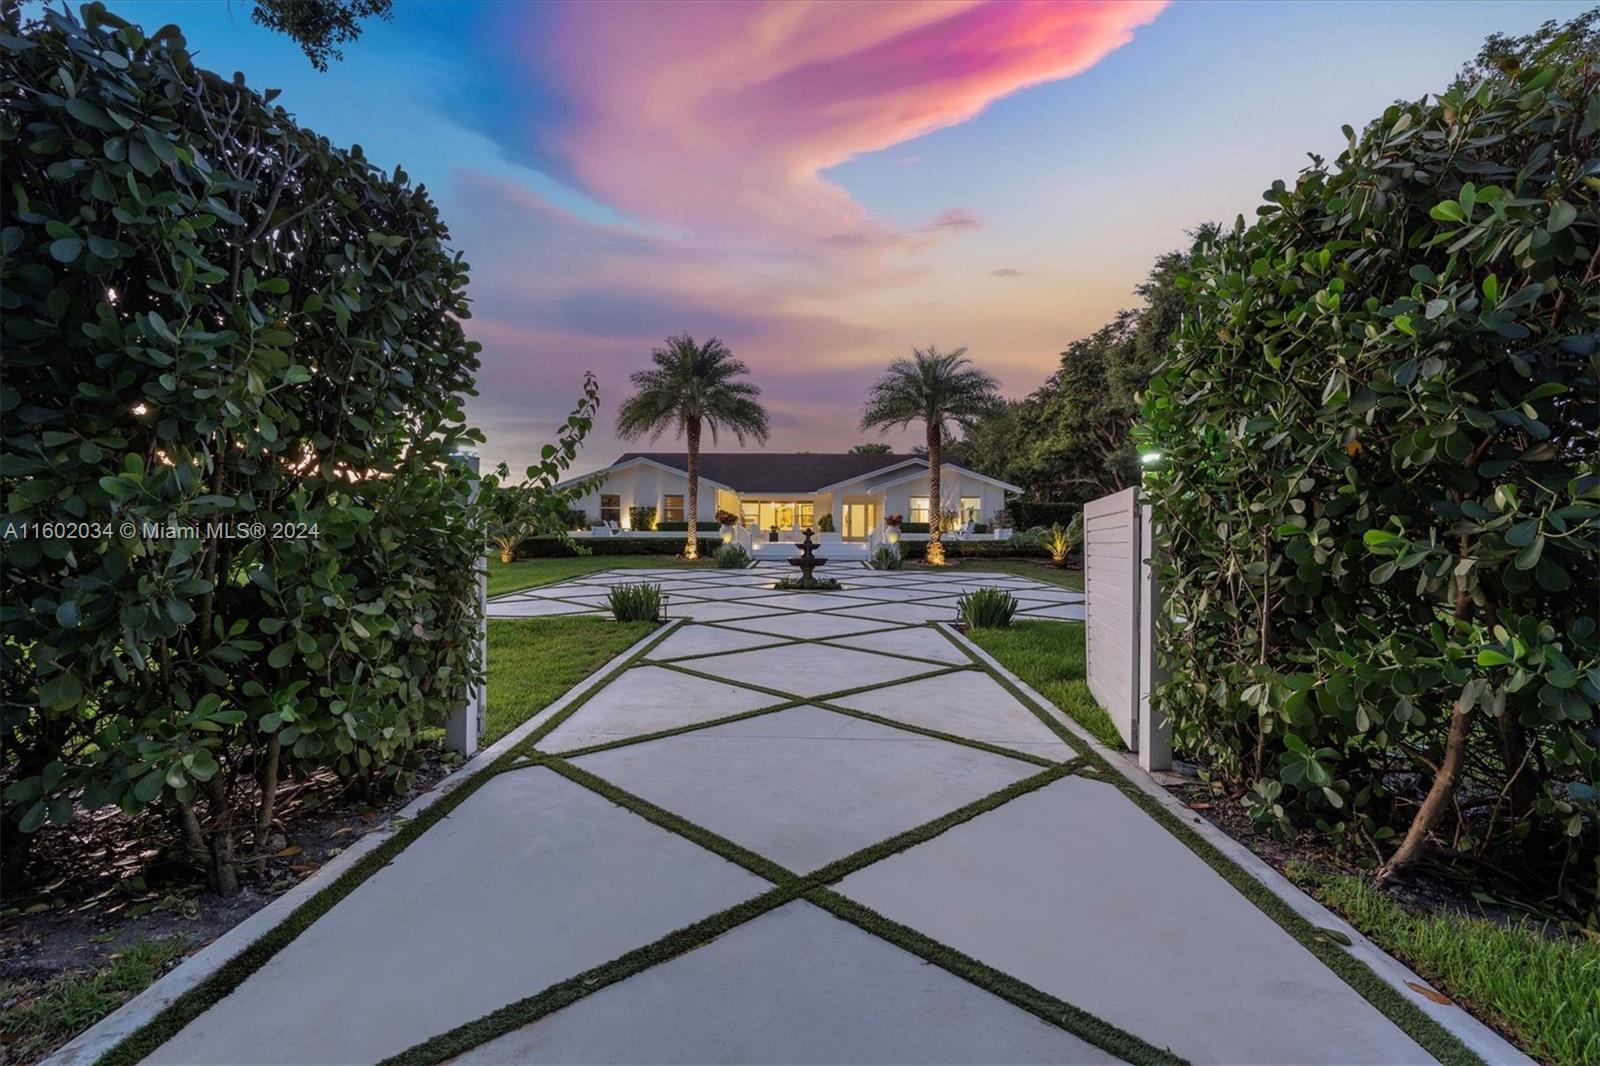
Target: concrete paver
{"x":1078,"y":892}
{"x":794,"y":985}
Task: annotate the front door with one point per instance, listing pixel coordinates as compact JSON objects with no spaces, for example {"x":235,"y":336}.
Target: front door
{"x":859,"y":520}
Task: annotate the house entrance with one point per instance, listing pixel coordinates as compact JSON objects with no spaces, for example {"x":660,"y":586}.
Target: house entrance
{"x":859,"y":520}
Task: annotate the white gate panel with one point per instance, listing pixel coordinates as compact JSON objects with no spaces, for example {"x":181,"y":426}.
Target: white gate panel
{"x":1111,"y":606}
{"x":1120,"y":603}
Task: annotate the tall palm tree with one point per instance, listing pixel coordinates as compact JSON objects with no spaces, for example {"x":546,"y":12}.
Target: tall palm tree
{"x":941,"y":390}
{"x":690,"y":387}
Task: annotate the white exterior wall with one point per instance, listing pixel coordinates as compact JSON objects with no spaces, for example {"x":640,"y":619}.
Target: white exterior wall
{"x":647,"y":486}
{"x":952,"y":486}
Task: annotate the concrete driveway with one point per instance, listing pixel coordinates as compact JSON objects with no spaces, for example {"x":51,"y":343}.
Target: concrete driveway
{"x":804,"y":827}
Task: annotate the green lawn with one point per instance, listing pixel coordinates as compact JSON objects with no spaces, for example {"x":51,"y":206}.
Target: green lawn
{"x":41,"y":1016}
{"x":532,"y":661}
{"x":1543,"y":990}
{"x":1037,"y":569}
{"x":1049,"y":656}
{"x":529,"y":573}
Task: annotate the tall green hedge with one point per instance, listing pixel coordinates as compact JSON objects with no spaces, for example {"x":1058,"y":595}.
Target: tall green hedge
{"x":1378,"y":497}
{"x":213,"y":316}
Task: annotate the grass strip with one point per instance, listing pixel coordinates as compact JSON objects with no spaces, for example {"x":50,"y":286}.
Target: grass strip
{"x":534,"y":661}
{"x":527,"y":745}
{"x":1080,"y":1023}
{"x":787,"y":887}
{"x":759,"y":865}
{"x":514,"y":1016}
{"x":1072,"y":739}
{"x":1543,"y":990}
{"x":980,"y":745}
{"x":143,"y":1041}
{"x":692,"y":727}
{"x":1049,"y":656}
{"x":1412,"y":1020}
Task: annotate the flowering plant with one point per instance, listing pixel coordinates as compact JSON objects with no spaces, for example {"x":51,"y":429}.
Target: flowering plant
{"x":893,"y":520}
{"x":727,"y":518}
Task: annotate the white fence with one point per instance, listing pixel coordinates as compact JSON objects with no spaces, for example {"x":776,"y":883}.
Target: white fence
{"x":1120,"y":600}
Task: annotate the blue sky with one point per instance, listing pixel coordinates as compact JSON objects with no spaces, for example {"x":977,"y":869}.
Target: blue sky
{"x":826,"y":187}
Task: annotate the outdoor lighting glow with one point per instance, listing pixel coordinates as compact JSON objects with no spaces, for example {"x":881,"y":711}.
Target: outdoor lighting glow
{"x":1150,"y":457}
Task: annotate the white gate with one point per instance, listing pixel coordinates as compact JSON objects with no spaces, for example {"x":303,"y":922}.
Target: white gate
{"x":1120,"y":600}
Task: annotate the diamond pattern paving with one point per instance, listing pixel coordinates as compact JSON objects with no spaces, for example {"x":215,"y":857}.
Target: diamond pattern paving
{"x":648,"y":699}
{"x":531,"y":880}
{"x":794,"y":985}
{"x":810,"y":669}
{"x":804,"y":787}
{"x":1070,"y":898}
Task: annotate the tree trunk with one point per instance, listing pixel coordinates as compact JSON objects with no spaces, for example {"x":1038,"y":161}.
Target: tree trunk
{"x":1439,"y":797}
{"x":1442,"y":793}
{"x":691,"y":545}
{"x":935,"y":500}
{"x":269,"y":791}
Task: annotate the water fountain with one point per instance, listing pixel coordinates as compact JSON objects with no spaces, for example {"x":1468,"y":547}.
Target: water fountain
{"x":807,"y":561}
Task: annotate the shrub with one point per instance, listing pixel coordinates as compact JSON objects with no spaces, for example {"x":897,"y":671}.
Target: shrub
{"x":732,"y":557}
{"x":635,"y":603}
{"x":1061,"y":542}
{"x":547,"y":547}
{"x":825,"y":523}
{"x":913,"y":527}
{"x":212,"y":315}
{"x":1026,"y":514}
{"x":681,"y":527}
{"x":727,"y":518}
{"x":886,"y":558}
{"x":986,"y":608}
{"x":822,"y":584}
{"x":1378,"y":502}
{"x":643,"y":519}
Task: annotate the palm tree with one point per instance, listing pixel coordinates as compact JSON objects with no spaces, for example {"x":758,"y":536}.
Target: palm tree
{"x":692,"y":386}
{"x":940,"y":390}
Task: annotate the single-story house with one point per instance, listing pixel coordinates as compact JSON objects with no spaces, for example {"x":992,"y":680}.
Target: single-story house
{"x":790,"y":490}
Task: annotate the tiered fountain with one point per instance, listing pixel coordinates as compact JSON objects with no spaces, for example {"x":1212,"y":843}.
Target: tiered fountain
{"x":807,"y":561}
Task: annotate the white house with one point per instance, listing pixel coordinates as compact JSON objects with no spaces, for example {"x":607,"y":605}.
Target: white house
{"x":791,"y":490}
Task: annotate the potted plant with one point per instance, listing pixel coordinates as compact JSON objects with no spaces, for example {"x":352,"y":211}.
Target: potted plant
{"x":727,"y":520}
{"x":772,"y":534}
{"x":891,"y":528}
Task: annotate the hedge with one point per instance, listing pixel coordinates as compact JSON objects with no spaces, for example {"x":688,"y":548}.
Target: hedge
{"x":1027,"y":514}
{"x":213,"y":316}
{"x":547,"y":547}
{"x":976,"y":549}
{"x":1378,"y":501}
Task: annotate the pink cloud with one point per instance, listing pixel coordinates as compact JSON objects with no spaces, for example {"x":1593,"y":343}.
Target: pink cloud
{"x":719,"y":118}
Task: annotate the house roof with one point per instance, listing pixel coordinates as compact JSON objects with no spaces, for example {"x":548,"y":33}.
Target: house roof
{"x":762,"y":472}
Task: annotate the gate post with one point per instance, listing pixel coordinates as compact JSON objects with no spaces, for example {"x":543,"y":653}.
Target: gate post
{"x":466,"y":722}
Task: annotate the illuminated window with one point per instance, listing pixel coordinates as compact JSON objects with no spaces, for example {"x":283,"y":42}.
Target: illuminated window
{"x":751,"y":514}
{"x":805,"y":513}
{"x":672,"y":509}
{"x":919,"y":509}
{"x":610,"y":508}
{"x":971,"y":509}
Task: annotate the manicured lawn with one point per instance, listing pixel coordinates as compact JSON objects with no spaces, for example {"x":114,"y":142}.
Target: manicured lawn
{"x":1049,"y":656}
{"x":530,"y":573}
{"x":532,"y":661}
{"x":42,"y":1016}
{"x":1037,"y":569}
{"x":1544,"y":991}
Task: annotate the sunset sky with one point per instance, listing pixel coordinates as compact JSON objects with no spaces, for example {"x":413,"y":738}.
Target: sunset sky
{"x":825,"y":186}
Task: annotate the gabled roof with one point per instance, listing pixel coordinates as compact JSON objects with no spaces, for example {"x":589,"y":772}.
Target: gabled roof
{"x":774,"y":472}
{"x":907,"y":475}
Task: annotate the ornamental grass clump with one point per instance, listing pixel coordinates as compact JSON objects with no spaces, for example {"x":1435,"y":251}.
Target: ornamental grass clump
{"x":986,"y":608}
{"x":886,"y":558}
{"x":732,"y":557}
{"x":636,"y":603}
{"x":1377,"y":504}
